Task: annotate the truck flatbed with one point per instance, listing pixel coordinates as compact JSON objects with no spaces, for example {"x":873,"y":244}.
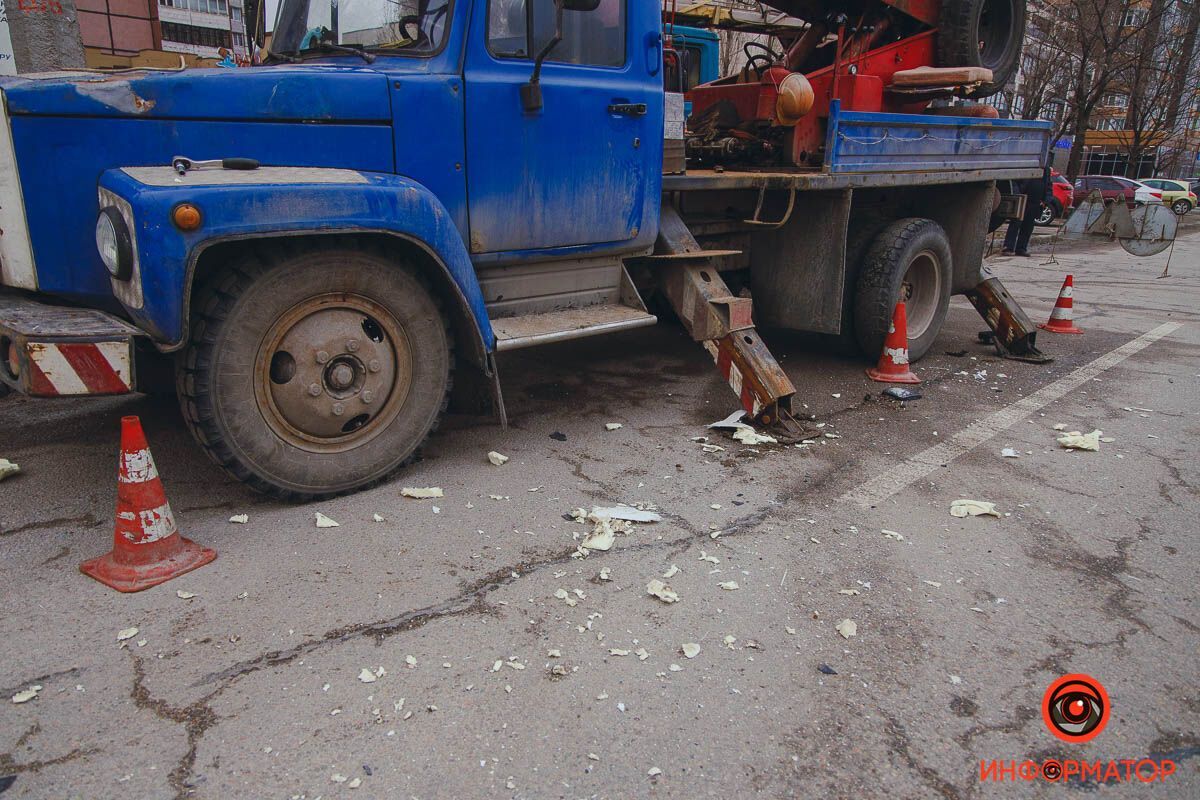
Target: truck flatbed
{"x":878,"y":150}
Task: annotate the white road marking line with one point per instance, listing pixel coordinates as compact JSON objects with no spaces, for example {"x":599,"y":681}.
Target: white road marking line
{"x":896,"y":478}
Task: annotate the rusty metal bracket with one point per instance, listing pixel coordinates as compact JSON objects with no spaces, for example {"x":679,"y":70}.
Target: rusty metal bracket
{"x":1013,"y":333}
{"x":702,"y":300}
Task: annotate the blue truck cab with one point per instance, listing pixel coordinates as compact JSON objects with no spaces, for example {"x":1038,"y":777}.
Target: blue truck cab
{"x":332,"y":247}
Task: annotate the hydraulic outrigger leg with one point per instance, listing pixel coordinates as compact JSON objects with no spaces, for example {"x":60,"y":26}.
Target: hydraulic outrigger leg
{"x":1013,"y":333}
{"x":720,"y":321}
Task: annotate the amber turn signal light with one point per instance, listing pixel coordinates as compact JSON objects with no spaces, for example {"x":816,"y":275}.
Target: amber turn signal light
{"x":186,"y":217}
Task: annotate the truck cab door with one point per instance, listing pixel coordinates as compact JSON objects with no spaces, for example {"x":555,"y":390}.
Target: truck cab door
{"x":584,"y":171}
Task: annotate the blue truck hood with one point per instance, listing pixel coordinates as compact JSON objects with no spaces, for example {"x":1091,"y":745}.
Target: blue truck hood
{"x":316,"y":92}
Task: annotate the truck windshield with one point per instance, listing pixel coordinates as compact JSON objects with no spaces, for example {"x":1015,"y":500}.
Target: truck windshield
{"x":408,"y":27}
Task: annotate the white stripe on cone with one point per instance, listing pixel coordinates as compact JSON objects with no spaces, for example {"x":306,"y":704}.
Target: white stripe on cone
{"x":137,"y":466}
{"x":899,"y":355}
{"x":156,"y":523}
{"x":1060,"y":313}
{"x":1067,"y":291}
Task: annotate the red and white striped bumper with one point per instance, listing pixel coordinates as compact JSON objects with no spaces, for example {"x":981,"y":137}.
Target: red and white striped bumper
{"x":51,"y":351}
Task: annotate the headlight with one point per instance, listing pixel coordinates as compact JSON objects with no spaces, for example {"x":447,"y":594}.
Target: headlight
{"x":114,"y":243}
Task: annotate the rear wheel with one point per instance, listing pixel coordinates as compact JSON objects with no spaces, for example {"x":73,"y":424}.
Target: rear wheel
{"x":1181,"y":207}
{"x":982,"y":33}
{"x":908,"y":261}
{"x":311,"y":374}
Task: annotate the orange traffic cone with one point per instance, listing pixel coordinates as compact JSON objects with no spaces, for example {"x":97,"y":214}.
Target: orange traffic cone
{"x":893,"y":361}
{"x":1061,"y":317}
{"x":147,"y":548}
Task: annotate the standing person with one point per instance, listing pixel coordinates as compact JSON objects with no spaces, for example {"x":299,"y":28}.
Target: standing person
{"x":1016,"y":239}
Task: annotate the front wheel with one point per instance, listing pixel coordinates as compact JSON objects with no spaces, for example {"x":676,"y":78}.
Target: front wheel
{"x":315,"y":373}
{"x":1181,"y":207}
{"x":909,"y":261}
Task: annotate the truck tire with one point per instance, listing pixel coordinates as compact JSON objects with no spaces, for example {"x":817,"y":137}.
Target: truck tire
{"x":314,"y":373}
{"x":910,"y":261}
{"x":982,"y":33}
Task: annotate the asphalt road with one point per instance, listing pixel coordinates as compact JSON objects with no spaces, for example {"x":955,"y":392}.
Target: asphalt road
{"x":252,"y":688}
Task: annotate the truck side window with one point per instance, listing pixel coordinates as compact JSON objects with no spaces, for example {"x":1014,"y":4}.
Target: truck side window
{"x":592,"y":38}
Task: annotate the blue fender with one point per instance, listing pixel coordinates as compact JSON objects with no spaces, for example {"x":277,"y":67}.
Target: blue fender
{"x":271,"y":202}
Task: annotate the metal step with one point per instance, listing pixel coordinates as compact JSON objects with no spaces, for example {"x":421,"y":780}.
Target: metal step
{"x":527,"y":330}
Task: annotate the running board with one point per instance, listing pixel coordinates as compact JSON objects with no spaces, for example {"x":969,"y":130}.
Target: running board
{"x":527,"y":330}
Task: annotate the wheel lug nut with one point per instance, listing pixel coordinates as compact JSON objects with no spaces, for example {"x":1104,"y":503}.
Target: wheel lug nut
{"x":373,"y":365}
{"x":352,"y":346}
{"x":368,"y":396}
{"x":314,"y":389}
{"x":338,"y":408}
{"x":322,"y":356}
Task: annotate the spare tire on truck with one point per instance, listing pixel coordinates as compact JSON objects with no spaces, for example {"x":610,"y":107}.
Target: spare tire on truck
{"x":982,"y":33}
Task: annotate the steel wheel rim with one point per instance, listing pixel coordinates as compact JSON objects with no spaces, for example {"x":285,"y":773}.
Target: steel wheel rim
{"x":1045,"y":216}
{"x":333,"y":372}
{"x":1182,"y":207}
{"x":920,"y":290}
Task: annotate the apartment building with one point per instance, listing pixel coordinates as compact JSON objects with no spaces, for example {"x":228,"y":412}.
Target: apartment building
{"x":201,"y":28}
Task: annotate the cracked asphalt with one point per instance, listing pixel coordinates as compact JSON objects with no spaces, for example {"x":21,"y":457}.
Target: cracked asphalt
{"x":253,"y":687}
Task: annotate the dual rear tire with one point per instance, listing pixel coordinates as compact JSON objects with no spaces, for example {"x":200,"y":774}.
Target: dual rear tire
{"x":909,"y":261}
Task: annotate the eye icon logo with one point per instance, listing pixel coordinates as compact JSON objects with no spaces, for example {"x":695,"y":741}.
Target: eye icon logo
{"x":1075,"y":708}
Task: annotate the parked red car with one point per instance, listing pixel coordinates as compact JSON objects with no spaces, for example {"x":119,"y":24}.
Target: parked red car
{"x":1114,"y":188}
{"x":1063,"y":196}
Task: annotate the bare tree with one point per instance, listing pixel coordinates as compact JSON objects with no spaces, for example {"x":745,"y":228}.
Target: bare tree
{"x":1100,"y":38}
{"x":1184,"y":89}
{"x":1163,"y":77}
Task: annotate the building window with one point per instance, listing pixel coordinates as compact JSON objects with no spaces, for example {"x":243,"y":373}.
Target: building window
{"x":192,"y":34}
{"x":1133,"y":17}
{"x":239,"y":40}
{"x":1115,"y":100}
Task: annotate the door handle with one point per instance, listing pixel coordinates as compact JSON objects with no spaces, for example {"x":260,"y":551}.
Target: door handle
{"x":654,"y":52}
{"x":628,"y":109}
